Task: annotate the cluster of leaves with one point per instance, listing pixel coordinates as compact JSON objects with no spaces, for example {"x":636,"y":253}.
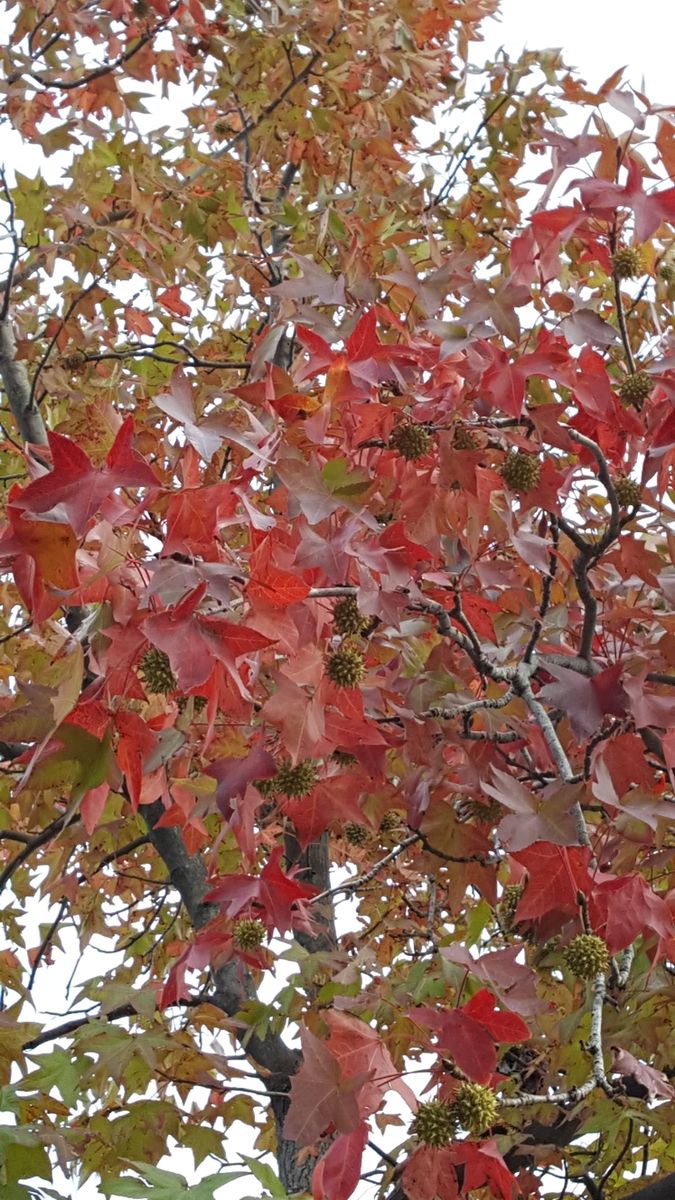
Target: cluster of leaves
{"x":335,"y":534}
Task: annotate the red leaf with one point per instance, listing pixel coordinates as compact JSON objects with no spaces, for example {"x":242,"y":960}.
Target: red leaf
{"x":336,"y":1174}
{"x":461,"y":1038}
{"x":75,"y":489}
{"x":513,"y":982}
{"x":429,"y":1174}
{"x":484,"y":1165}
{"x":620,"y":909}
{"x":276,"y":588}
{"x":504,"y":1026}
{"x":320,"y":1098}
{"x":42,"y":557}
{"x":555,"y":875}
{"x":171,"y":301}
{"x":280,"y":900}
{"x":134,"y":742}
{"x":92,"y":805}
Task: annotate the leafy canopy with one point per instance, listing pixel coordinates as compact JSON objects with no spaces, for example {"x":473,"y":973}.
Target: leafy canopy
{"x":337,"y":553}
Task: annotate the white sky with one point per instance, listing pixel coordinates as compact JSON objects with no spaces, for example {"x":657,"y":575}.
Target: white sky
{"x":597,"y":37}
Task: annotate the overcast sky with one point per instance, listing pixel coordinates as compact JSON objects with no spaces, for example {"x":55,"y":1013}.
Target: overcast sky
{"x":597,"y":36}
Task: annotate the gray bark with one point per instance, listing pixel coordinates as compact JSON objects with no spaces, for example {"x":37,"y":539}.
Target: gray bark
{"x":15,"y":381}
{"x":275,"y":1061}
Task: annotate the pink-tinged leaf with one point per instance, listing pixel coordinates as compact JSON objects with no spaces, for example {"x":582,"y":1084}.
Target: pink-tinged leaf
{"x":513,"y":983}
{"x":337,"y":1174}
{"x":92,"y":805}
{"x":320,"y":1099}
{"x":312,"y":284}
{"x":299,"y":717}
{"x":544,"y":817}
{"x":233,"y":774}
{"x":556,"y":874}
{"x":74,"y":489}
{"x":504,"y":1026}
{"x":586,"y":701}
{"x":648,"y":707}
{"x":461,"y":1038}
{"x":280,"y":901}
{"x":622,"y":908}
{"x":429,"y":1174}
{"x":359,"y":1049}
{"x":654,"y":1082}
{"x":484,"y":1165}
{"x":585,"y":327}
{"x":177,"y":403}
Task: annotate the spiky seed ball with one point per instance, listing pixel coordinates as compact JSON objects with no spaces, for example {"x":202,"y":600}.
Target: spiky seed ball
{"x":356,"y":834}
{"x":434,"y":1123}
{"x":390,"y":821}
{"x":410,"y":440}
{"x":346,"y":616}
{"x":520,"y":471}
{"x":475,"y":1107}
{"x":587,"y":955}
{"x":628,"y":262}
{"x":248,"y":933}
{"x":74,"y":360}
{"x":628,"y":492}
{"x":266,"y":787}
{"x":491,"y":811}
{"x":506,"y":909}
{"x":155,"y":671}
{"x":667,"y":272}
{"x":344,"y":667}
{"x":636,"y":388}
{"x":296,"y":781}
{"x":463,"y":438}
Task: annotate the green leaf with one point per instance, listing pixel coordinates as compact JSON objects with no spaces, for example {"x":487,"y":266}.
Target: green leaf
{"x":58,"y":1070}
{"x":265,"y":1175}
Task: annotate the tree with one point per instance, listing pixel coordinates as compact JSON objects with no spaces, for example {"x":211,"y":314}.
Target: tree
{"x":337,"y":482}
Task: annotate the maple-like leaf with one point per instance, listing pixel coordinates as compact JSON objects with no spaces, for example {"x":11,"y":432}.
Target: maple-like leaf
{"x":359,"y":1049}
{"x":321,"y":1099}
{"x":484,"y":1165}
{"x":337,"y":1173}
{"x":649,"y":208}
{"x":654,"y":1082}
{"x":429,"y":1174}
{"x":299,"y":717}
{"x":556,"y":874}
{"x":504,"y":1026}
{"x":513,"y":982}
{"x":544,"y":816}
{"x":194,"y":641}
{"x":460,"y":1037}
{"x":278,"y":899}
{"x":42,"y":557}
{"x":178,"y":404}
{"x":586,"y":700}
{"x":74,"y":489}
{"x":622,"y":908}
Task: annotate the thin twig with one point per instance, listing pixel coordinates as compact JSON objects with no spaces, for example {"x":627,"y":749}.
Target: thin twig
{"x":352,"y":885}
